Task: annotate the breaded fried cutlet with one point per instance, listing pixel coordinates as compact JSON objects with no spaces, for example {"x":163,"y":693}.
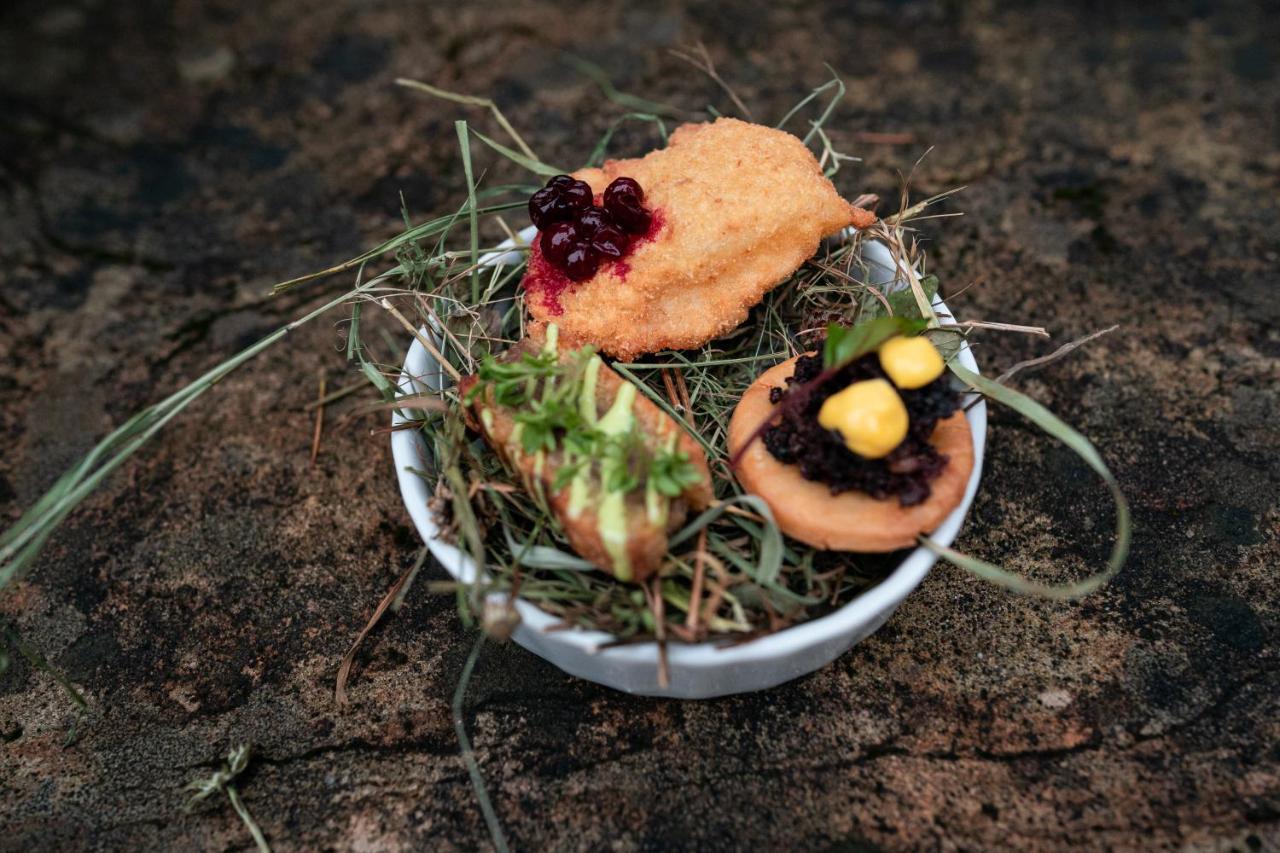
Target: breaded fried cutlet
{"x":737,"y":208}
{"x":621,"y":530}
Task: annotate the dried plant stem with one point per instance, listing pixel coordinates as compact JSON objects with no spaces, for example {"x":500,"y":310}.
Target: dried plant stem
{"x":474,"y":101}
{"x":33,"y":656}
{"x":699,"y":576}
{"x":223,"y":780}
{"x":247,"y":819}
{"x":683,"y":389}
{"x":702,"y":62}
{"x":422,"y":339}
{"x":656,"y":603}
{"x":335,"y":396}
{"x":393,"y":595}
{"x":1065,"y":349}
{"x":319,"y":428}
{"x":965,"y":325}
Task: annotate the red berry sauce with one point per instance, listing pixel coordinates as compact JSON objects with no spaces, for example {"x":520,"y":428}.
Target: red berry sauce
{"x":580,"y":234}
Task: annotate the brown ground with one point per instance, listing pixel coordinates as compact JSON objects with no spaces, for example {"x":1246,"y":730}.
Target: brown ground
{"x":163,"y":163}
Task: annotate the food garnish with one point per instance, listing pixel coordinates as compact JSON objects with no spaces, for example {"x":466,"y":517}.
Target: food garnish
{"x":734,"y":210}
{"x":576,"y":236}
{"x":833,"y":496}
{"x":616,"y":473}
{"x":850,"y":428}
{"x":868,"y":415}
{"x":911,"y":362}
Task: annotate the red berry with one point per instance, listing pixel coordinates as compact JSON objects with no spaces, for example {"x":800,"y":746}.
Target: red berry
{"x":542,"y":206}
{"x":591,"y":220}
{"x":556,"y":242}
{"x":623,"y":186}
{"x":559,"y":200}
{"x":627,"y":211}
{"x":610,"y":241}
{"x":577,"y":195}
{"x":577,"y":235}
{"x":581,"y":262}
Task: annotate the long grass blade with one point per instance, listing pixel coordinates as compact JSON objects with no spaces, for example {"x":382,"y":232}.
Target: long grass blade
{"x":471,"y":100}
{"x":464,"y":143}
{"x":1083,"y":448}
{"x":23,"y":541}
{"x":597,"y":153}
{"x":600,"y":77}
{"x":469,"y":757}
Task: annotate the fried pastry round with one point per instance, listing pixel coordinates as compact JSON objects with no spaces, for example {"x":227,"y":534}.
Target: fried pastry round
{"x":850,"y":521}
{"x":738,"y":207}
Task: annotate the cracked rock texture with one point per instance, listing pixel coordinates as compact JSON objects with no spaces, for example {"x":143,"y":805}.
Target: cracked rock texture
{"x":161,"y":164}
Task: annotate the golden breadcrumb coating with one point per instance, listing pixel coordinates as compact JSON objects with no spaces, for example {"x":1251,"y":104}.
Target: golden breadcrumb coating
{"x":646,"y":542}
{"x":740,"y":207}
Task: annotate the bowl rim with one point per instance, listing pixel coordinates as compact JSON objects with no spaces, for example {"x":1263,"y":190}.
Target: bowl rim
{"x":420,"y":372}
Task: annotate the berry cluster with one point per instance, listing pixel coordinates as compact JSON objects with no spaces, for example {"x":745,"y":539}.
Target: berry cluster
{"x":578,"y":235}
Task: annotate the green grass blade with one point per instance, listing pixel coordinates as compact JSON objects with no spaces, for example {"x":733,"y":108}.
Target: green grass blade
{"x":40,"y":662}
{"x":533,"y":164}
{"x":597,"y":153}
{"x":771,"y":549}
{"x":806,"y":100}
{"x":23,"y":540}
{"x":430,"y":228}
{"x":600,"y":77}
{"x":816,"y":126}
{"x":471,"y":100}
{"x":465,"y":144}
{"x":1055,"y":427}
{"x":468,"y":756}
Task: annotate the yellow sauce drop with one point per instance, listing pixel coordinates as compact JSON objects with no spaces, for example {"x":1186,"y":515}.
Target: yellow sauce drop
{"x":911,"y":362}
{"x":869,"y":415}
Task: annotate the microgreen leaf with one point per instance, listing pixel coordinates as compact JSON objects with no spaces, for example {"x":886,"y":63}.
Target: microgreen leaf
{"x":844,"y":344}
{"x":672,"y":473}
{"x":902,"y":302}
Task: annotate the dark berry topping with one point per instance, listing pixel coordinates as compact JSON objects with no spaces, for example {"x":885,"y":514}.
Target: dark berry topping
{"x":591,"y":220}
{"x":581,"y":262}
{"x":577,"y":235}
{"x":556,"y":242}
{"x":558,"y":200}
{"x":577,"y":195}
{"x":627,"y":211}
{"x":542,"y":206}
{"x":623,"y":186}
{"x":610,"y":241}
{"x":821,"y":454}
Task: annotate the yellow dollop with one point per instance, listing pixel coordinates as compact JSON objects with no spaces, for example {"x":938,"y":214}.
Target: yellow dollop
{"x":911,"y":362}
{"x":869,"y":415}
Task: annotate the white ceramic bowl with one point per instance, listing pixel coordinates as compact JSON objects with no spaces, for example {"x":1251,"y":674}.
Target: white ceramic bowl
{"x":696,"y":671}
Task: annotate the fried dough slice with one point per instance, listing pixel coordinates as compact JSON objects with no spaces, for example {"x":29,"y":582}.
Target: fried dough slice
{"x":738,"y":208}
{"x":850,"y":521}
{"x":624,"y":535}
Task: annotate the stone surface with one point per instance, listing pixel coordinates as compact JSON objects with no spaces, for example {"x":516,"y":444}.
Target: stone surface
{"x":162,"y":164}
